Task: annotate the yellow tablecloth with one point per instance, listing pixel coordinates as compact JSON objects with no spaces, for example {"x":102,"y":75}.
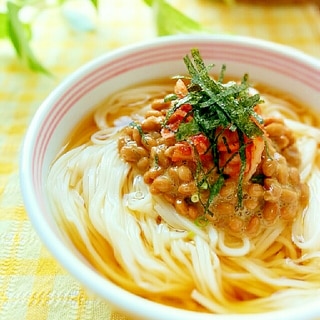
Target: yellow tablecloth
{"x":32,"y":283}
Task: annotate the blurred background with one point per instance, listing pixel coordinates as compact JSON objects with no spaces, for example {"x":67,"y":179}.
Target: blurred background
{"x":34,"y":31}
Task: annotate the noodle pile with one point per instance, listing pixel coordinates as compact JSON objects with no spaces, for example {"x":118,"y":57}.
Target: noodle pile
{"x":111,"y":217}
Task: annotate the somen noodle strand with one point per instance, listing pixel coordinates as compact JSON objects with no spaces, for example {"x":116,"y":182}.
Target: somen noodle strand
{"x":140,"y":242}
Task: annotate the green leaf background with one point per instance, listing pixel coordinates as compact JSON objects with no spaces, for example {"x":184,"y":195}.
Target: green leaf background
{"x":168,"y":20}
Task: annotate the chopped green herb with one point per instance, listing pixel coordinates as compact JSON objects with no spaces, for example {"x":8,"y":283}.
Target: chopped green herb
{"x":217,"y":107}
{"x":187,"y":129}
{"x":204,"y":186}
{"x":137,"y":126}
{"x":170,"y":97}
{"x":191,"y":235}
{"x":214,"y":191}
{"x":231,"y":105}
{"x":259,"y":178}
{"x":243,"y":159}
{"x":156,"y":161}
{"x":201,"y":221}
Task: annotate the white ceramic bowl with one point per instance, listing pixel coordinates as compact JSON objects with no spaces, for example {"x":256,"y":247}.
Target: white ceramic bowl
{"x":282,"y":67}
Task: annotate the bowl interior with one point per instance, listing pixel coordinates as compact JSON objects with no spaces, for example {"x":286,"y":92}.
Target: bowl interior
{"x":281,"y":67}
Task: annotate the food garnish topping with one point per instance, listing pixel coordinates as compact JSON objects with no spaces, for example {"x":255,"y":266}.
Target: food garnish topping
{"x":214,"y":121}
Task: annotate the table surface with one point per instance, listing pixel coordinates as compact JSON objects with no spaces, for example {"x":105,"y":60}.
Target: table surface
{"x":32,"y":284}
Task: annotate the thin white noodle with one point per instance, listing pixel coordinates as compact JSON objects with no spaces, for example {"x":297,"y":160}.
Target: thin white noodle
{"x":175,"y":220}
{"x":308,"y":147}
{"x":265,"y":240}
{"x":210,"y":304}
{"x":131,"y":98}
{"x":86,"y":187}
{"x":269,"y":276}
{"x":277,"y":107}
{"x":70,"y":202}
{"x":306,"y":230}
{"x":209,"y":265}
{"x":303,"y":129}
{"x":102,"y":135}
{"x":233,"y":251}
